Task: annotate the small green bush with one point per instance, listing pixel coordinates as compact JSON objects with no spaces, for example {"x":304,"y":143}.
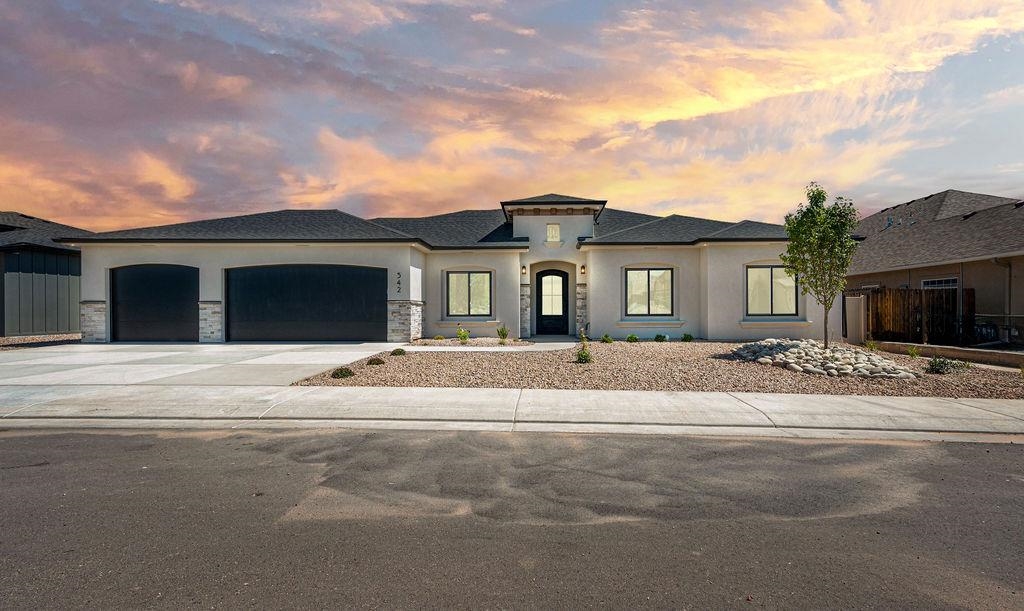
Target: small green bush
{"x":463,"y":335}
{"x":913,"y":352}
{"x":632,"y":338}
{"x":871,"y":345}
{"x":606,"y":339}
{"x":942,"y":365}
{"x":342,"y":372}
{"x":439,"y":338}
{"x":659,"y":338}
{"x":502,"y":334}
{"x":375,"y":361}
{"x":687,"y":337}
{"x":583,"y":355}
{"x":398,"y":352}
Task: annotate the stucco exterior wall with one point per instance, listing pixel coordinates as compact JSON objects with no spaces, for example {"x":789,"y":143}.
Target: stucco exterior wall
{"x":505,"y":277}
{"x":607,"y":294}
{"x":726,"y":317}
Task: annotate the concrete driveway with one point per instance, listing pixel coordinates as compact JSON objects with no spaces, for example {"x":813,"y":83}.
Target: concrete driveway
{"x":242,"y":364}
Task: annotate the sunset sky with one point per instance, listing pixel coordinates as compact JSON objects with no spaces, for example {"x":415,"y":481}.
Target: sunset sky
{"x":129,"y":113}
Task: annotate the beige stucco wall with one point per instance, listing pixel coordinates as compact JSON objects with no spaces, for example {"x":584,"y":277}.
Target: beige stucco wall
{"x":504,"y":268}
{"x":213,"y":259}
{"x":606,"y":287}
{"x":725,"y":316}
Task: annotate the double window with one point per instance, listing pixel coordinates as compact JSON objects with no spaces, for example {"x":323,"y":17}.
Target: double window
{"x":649,"y":292}
{"x":554,"y":232}
{"x":770,"y":291}
{"x":469,"y":293}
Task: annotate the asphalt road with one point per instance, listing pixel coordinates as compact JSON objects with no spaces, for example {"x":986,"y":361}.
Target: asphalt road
{"x":400,"y":519}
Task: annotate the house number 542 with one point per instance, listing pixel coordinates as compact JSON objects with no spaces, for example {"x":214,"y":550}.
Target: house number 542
{"x":398,"y":282}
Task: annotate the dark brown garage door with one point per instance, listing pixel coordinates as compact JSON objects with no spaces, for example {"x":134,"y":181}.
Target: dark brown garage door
{"x":155,"y":303}
{"x":307,"y":303}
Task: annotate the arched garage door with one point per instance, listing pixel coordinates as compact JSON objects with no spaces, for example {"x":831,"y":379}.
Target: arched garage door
{"x":154,"y":303}
{"x":307,"y":303}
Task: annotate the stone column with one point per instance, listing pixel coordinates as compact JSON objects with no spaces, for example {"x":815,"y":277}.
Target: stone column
{"x":211,"y":321}
{"x":93,"y":320}
{"x":582,"y":316}
{"x":524,"y":311}
{"x":405,"y":320}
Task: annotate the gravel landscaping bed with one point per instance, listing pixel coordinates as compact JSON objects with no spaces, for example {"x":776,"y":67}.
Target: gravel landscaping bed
{"x":692,"y":366}
{"x":34,"y":341}
{"x":473,"y":341}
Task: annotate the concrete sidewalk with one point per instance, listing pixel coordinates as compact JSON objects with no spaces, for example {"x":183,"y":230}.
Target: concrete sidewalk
{"x":781,"y":415}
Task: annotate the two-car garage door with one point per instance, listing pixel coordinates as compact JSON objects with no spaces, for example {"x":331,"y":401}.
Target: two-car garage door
{"x":266,"y":303}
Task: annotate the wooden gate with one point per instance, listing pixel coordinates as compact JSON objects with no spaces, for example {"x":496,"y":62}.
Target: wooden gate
{"x":925,"y":316}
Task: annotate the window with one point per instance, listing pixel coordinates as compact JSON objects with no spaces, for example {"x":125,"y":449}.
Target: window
{"x":554,"y":232}
{"x":648,"y":292}
{"x":940,"y":283}
{"x":770,"y":291}
{"x":551,"y":296}
{"x":469,"y":293}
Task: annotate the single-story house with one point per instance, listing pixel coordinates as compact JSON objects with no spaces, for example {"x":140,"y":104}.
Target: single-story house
{"x":39,"y":285}
{"x":551,"y":264}
{"x":952,"y":239}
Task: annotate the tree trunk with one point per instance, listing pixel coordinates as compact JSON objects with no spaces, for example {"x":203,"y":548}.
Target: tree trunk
{"x":827,"y":310}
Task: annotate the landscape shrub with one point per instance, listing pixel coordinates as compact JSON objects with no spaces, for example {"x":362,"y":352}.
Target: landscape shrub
{"x":342,"y":372}
{"x":913,"y":352}
{"x":502,"y":334}
{"x":439,"y":337}
{"x":687,"y":337}
{"x":398,"y":352}
{"x":871,"y":345}
{"x":943,"y":365}
{"x":375,"y":361}
{"x":583,"y":355}
{"x":659,"y":338}
{"x":632,"y":338}
{"x":463,"y":335}
{"x":606,"y":339}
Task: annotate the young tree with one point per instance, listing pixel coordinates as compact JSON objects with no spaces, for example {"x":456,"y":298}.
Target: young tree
{"x":821,"y":246}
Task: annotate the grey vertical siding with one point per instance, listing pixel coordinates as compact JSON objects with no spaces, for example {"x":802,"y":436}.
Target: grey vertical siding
{"x":40,"y":292}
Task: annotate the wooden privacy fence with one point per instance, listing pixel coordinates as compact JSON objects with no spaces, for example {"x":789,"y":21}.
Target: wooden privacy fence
{"x":925,"y":316}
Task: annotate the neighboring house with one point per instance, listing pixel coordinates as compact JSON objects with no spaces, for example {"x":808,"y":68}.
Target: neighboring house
{"x":952,"y":239}
{"x":543,"y":265}
{"x":40,"y":281}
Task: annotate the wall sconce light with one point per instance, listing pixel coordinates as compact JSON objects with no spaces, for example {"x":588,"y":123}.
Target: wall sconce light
{"x":523,"y":270}
{"x":583,"y":270}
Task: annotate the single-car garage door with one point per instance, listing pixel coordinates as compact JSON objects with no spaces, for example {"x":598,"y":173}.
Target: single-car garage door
{"x":307,"y":303}
{"x":155,"y":303}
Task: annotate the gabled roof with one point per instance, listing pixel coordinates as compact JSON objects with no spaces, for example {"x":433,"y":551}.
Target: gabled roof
{"x":19,"y":230}
{"x":554,"y":198}
{"x":941,"y":228}
{"x":463,"y":229}
{"x":678,"y":229}
{"x":278,"y":226}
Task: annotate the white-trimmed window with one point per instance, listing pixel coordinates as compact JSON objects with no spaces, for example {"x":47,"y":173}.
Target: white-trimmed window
{"x":469,"y":293}
{"x":940,"y":283}
{"x":770,"y":291}
{"x":649,"y":292}
{"x":554,"y":232}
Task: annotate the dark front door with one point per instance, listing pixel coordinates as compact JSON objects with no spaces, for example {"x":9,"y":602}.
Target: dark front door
{"x":552,"y":303}
{"x":307,"y":303}
{"x":155,"y":303}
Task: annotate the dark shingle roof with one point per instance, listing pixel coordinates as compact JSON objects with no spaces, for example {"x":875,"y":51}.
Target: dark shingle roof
{"x":18,"y":230}
{"x":554,"y":198}
{"x":942,"y":227}
{"x":678,"y":229}
{"x":279,"y":226}
{"x":463,"y":229}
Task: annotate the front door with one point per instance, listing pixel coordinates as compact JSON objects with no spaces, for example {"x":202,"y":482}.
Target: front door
{"x":552,"y":302}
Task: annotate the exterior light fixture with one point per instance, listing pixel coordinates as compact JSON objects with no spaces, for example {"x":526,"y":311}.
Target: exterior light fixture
{"x":583,"y":270}
{"x":523,"y":270}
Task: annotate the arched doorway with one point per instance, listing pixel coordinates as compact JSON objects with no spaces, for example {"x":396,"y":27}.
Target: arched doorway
{"x":552,"y":302}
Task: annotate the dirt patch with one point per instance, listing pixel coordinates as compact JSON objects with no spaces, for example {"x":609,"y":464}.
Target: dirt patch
{"x":668,"y":366}
{"x":36,"y":341}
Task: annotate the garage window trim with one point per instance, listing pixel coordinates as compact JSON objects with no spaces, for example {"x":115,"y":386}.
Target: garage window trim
{"x":469,"y":293}
{"x":771,"y":291}
{"x":650,"y":291}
